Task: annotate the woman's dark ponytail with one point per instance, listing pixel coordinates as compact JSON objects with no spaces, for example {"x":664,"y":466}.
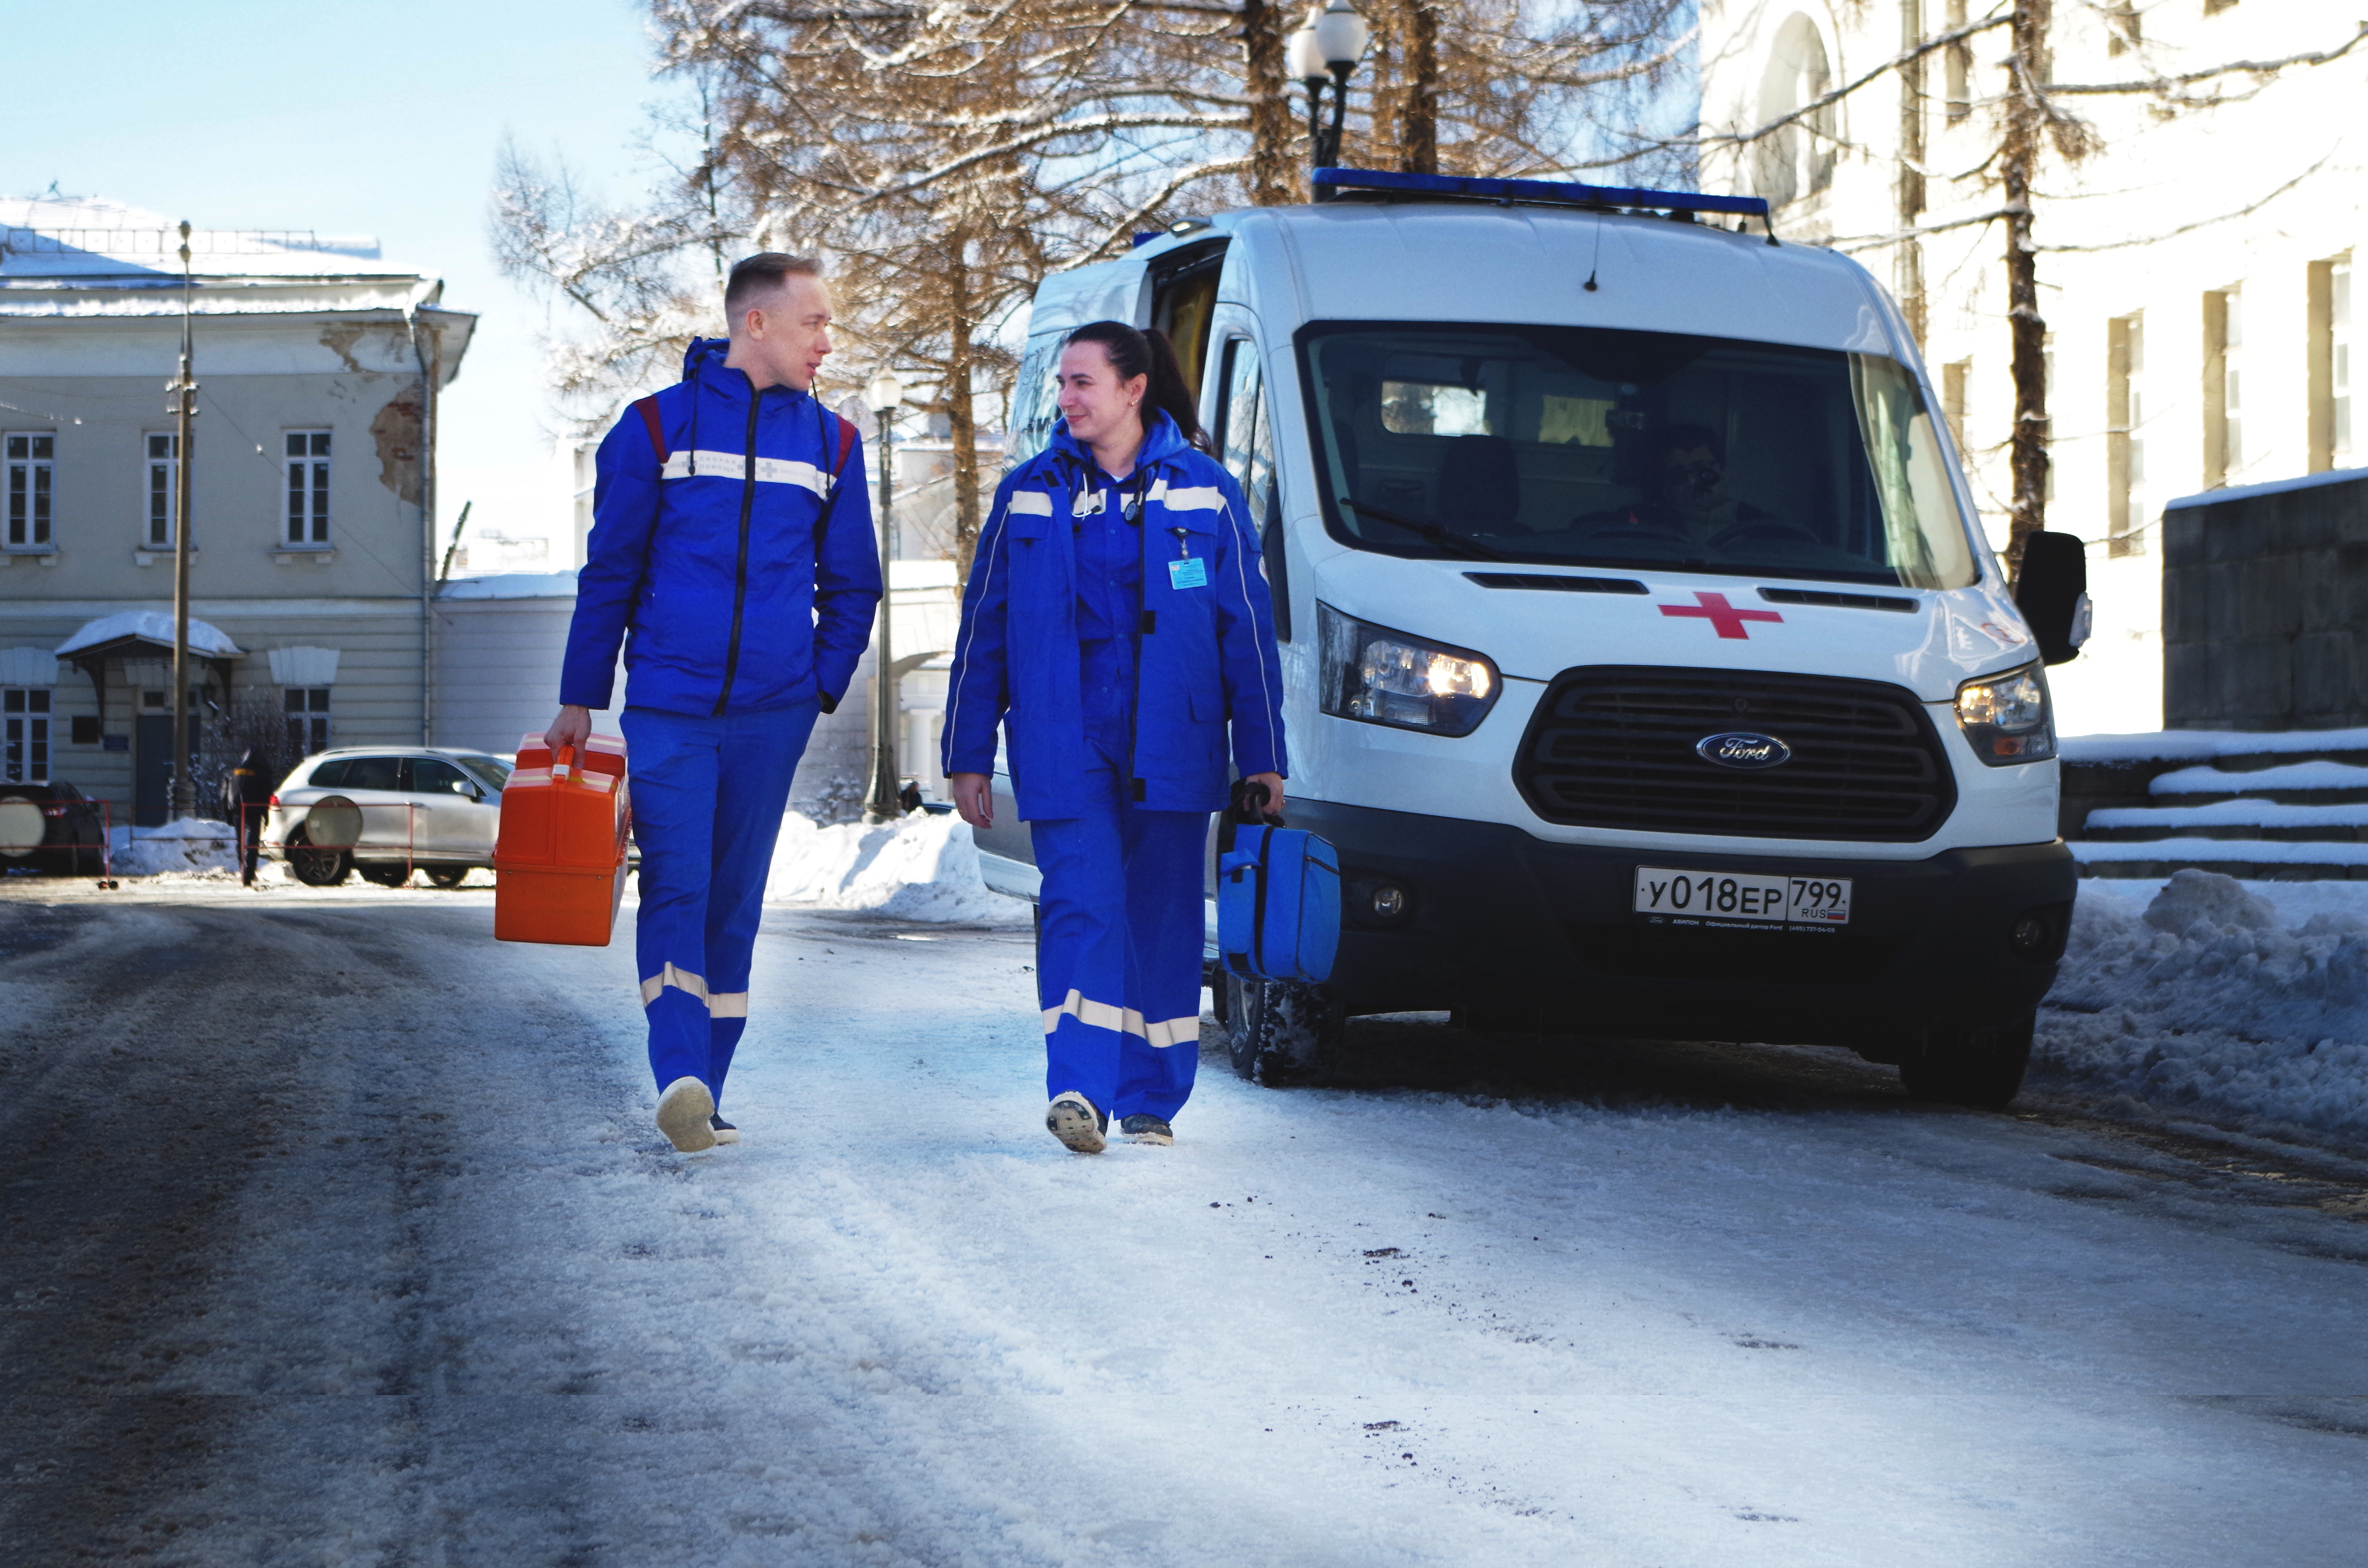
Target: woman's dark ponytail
{"x":1151,"y":355}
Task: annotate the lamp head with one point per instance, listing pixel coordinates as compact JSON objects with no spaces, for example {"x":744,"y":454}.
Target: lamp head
{"x":1303,"y":58}
{"x":1341,"y":36}
{"x":884,"y":393}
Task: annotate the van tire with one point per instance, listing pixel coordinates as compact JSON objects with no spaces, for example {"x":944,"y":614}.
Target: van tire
{"x":386,"y":874}
{"x":446,"y":876}
{"x":1981,"y":1066}
{"x":1281,"y":1031}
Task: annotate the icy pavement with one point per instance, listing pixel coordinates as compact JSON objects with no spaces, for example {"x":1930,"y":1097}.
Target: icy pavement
{"x":340,"y":1235}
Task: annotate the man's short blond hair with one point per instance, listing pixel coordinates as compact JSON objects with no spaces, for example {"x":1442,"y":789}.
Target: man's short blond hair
{"x":761,"y":274}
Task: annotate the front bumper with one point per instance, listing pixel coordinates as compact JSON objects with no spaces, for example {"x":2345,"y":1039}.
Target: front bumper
{"x":1499,"y":921}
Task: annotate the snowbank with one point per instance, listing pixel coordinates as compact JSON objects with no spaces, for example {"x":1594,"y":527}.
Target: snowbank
{"x":189,"y":844}
{"x":2199,"y":746}
{"x":922,"y":867}
{"x":2206,"y":998}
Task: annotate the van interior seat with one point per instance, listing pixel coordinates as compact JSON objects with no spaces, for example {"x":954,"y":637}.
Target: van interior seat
{"x":1480,"y":486}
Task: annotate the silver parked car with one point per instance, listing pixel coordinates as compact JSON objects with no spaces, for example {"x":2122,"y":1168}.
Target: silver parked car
{"x":386,"y":811}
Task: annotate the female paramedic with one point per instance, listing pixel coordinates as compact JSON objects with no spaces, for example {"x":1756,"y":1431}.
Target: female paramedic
{"x":1116,"y":623}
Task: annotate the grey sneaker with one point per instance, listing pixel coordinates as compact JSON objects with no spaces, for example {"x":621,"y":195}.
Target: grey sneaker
{"x":1073,"y":1119}
{"x":725,"y":1131}
{"x":1142,"y":1128}
{"x":683,"y":1113}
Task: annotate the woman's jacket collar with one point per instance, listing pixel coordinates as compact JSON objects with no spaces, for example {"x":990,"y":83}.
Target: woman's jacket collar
{"x":1162,"y":444}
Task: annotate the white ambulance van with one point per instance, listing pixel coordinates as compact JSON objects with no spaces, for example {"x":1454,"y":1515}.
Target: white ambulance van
{"x":1646,"y":662}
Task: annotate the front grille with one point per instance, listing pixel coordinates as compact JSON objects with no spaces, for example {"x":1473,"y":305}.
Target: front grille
{"x":1613,"y":746}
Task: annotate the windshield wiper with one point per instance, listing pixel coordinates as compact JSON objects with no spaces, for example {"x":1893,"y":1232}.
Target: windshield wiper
{"x":1430,"y":531}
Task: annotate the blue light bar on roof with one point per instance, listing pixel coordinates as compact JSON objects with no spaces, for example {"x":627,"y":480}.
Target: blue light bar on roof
{"x":1560,"y":193}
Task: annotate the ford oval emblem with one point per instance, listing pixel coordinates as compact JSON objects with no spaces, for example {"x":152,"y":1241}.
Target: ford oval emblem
{"x":1746,"y":749}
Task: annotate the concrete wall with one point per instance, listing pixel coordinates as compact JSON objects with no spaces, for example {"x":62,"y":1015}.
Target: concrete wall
{"x":2265,"y":610}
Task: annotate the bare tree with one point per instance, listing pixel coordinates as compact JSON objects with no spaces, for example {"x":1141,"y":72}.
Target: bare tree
{"x":2031,"y":120}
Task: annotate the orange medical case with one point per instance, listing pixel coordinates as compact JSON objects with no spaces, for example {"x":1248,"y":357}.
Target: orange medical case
{"x":559,"y":864}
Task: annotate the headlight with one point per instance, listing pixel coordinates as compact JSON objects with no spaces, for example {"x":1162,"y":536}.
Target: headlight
{"x":1387,"y":677}
{"x":2005,"y":717}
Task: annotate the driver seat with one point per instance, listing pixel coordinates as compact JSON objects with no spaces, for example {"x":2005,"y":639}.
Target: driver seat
{"x":1480,"y":487}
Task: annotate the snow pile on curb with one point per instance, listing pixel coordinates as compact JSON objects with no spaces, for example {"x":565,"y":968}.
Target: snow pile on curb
{"x":188,"y":845}
{"x":2205,"y":999}
{"x":924,"y":867}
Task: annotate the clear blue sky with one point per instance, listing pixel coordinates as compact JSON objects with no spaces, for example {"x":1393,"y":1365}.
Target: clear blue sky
{"x":351,"y":119}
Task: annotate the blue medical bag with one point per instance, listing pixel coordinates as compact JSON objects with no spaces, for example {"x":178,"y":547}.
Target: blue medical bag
{"x":1277,"y":899}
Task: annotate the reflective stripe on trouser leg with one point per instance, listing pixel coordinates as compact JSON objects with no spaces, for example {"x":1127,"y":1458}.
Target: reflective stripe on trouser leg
{"x":707,"y":796}
{"x":761,"y":752}
{"x":1166,"y":927}
{"x":1118,"y":963}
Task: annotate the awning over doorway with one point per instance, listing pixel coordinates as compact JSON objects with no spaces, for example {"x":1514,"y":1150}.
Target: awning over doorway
{"x":136,"y":631}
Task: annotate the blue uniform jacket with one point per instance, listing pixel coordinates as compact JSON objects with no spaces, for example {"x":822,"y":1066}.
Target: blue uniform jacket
{"x":712,"y":560}
{"x":1207,"y":656}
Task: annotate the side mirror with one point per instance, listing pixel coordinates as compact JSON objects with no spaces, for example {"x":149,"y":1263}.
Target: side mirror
{"x":2052,"y":591}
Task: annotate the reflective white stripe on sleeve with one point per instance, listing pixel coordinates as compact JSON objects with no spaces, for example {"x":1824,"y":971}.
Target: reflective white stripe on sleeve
{"x":680,"y":979}
{"x":728,"y":1005}
{"x":1030,"y":503}
{"x":1196,"y":498}
{"x":732,"y":465}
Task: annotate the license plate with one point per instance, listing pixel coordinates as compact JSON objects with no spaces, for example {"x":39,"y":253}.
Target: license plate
{"x":1745,"y":897}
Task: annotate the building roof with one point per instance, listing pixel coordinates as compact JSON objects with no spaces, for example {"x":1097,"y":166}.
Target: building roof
{"x":512,"y":586}
{"x":88,"y":257}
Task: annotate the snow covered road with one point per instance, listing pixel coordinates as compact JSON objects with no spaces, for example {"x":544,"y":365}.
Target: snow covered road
{"x":338,"y":1234}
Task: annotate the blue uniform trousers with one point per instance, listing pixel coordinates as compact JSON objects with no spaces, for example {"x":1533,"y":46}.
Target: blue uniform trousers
{"x":708,"y":798}
{"x":1118,"y":960}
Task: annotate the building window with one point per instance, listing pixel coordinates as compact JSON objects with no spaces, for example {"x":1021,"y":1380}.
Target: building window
{"x":1957,"y":68}
{"x":1798,"y":160}
{"x":163,"y":477}
{"x":2329,"y":298}
{"x":2124,"y":31}
{"x":308,"y":487}
{"x":308,"y":717}
{"x":25,"y":734}
{"x":2223,"y":403}
{"x":2124,"y":436}
{"x":29,"y":463}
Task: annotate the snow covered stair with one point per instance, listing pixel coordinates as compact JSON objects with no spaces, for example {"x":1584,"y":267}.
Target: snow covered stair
{"x":2282,"y":806}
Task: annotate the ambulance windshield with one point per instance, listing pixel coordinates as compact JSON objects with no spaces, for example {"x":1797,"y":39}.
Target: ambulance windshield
{"x":1648,"y":450}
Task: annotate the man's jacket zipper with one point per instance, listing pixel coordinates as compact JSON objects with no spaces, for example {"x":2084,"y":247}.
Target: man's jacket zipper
{"x":740,"y":573}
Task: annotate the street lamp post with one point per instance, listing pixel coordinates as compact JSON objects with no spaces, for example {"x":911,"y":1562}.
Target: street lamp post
{"x":1327,"y":48}
{"x":884,"y":396}
{"x":183,"y":406}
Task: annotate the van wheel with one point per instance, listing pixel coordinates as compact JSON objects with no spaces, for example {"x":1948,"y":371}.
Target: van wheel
{"x":386,"y":874}
{"x":446,"y":876}
{"x":318,"y":867}
{"x":1957,"y":1063}
{"x":1281,"y":1031}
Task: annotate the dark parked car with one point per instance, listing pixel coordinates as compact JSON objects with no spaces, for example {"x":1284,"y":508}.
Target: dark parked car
{"x":52,"y":827}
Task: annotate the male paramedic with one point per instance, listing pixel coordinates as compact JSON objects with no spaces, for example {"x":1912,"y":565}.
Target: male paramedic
{"x":732,"y":553}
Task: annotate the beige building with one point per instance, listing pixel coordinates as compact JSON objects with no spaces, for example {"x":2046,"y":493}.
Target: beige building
{"x":2195,"y":272}
{"x":312,"y":479}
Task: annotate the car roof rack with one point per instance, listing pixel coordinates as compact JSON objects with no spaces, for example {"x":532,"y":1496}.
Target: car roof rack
{"x":1387,"y":183}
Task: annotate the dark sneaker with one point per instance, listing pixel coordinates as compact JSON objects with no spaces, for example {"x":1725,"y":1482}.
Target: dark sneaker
{"x":683,"y":1113}
{"x":1143,"y":1129}
{"x":1073,"y":1119}
{"x":725,"y":1131}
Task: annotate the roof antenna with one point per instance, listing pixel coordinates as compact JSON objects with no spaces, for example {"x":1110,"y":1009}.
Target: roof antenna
{"x":1595,"y":262}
